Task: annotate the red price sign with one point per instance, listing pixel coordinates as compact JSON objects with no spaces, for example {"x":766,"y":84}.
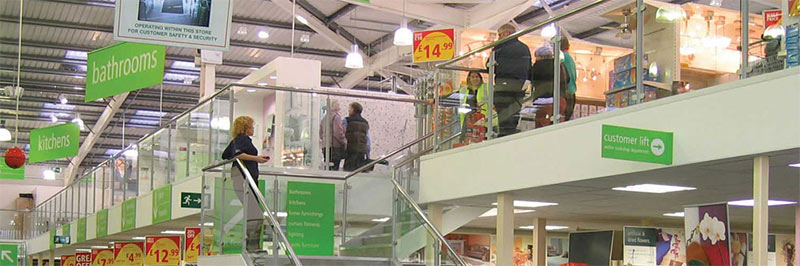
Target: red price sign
{"x":772,"y":17}
{"x":162,"y":250}
{"x":193,"y":240}
{"x":83,"y":259}
{"x":68,"y":260}
{"x":128,"y":253}
{"x":102,"y":257}
{"x":435,"y":45}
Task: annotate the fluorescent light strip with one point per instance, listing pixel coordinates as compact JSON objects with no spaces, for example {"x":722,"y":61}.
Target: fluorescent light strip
{"x":653,"y":188}
{"x":751,"y":203}
{"x":173,"y":232}
{"x":380,"y":220}
{"x":674,"y":214}
{"x":99,"y":247}
{"x":796,"y":165}
{"x":548,"y":227}
{"x":530,"y":204}
{"x":493,"y":212}
{"x":138,"y":238}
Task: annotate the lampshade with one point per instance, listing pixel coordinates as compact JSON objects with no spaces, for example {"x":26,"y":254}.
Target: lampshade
{"x":403,"y":36}
{"x":5,"y":135}
{"x":549,"y":31}
{"x":354,"y":59}
{"x":773,"y":31}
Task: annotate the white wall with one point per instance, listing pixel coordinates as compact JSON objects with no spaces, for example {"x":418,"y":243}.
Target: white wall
{"x":42,"y":190}
{"x":756,"y":115}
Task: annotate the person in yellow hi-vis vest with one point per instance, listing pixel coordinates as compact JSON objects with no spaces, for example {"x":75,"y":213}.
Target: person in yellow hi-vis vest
{"x":474,"y":96}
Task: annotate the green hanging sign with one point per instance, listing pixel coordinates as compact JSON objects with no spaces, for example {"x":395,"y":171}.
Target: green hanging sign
{"x":66,"y":230}
{"x":8,"y":254}
{"x":54,"y":142}
{"x":81,"y":230}
{"x":102,"y":223}
{"x":162,"y":204}
{"x":309,"y":224}
{"x":123,"y":67}
{"x":635,"y":144}
{"x":10,"y":173}
{"x":128,"y":215}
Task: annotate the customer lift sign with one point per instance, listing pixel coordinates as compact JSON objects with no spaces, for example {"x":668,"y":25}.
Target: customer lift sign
{"x":637,"y":144}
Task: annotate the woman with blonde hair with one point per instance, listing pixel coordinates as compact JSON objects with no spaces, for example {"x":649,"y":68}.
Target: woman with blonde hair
{"x":242,"y":148}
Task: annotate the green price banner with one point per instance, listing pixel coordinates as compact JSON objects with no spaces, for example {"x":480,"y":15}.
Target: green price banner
{"x":162,"y":204}
{"x":102,"y":223}
{"x":309,"y":224}
{"x":81,"y":230}
{"x":66,"y":230}
{"x":9,"y":173}
{"x":128,"y":214}
{"x":123,"y":67}
{"x":8,"y":254}
{"x":635,"y":144}
{"x":54,"y":142}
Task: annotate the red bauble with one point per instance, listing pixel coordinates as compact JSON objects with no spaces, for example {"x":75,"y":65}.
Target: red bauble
{"x":15,"y":157}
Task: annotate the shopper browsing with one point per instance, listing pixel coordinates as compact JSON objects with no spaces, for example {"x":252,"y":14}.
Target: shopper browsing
{"x":542,"y":79}
{"x":512,"y":70}
{"x":356,"y":134}
{"x":569,"y":64}
{"x":241,"y":147}
{"x":332,"y":136}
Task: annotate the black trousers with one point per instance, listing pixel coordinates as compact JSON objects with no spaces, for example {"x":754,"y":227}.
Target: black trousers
{"x":337,"y":155}
{"x":354,"y":160}
{"x":507,"y":97}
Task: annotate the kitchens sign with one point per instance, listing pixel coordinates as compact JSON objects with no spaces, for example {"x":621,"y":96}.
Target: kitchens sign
{"x":54,"y":142}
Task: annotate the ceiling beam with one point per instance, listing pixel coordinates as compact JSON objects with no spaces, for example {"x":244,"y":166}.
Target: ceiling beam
{"x":383,"y":59}
{"x":595,"y":31}
{"x":331,"y":25}
{"x":100,"y":126}
{"x":346,"y":9}
{"x":434,"y":13}
{"x":338,"y":42}
{"x":540,"y":11}
{"x":109,"y":30}
{"x":493,"y":15}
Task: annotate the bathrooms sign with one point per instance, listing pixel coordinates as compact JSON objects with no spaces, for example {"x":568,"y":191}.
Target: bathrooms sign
{"x":123,"y":67}
{"x":200,"y":24}
{"x":637,"y":144}
{"x":54,"y":142}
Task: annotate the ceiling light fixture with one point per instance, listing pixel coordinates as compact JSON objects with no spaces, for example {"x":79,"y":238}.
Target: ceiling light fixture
{"x":53,"y":118}
{"x":653,"y":188}
{"x":49,"y":174}
{"x":305,"y":38}
{"x":78,"y":77}
{"x":5,"y":134}
{"x":77,"y":88}
{"x":354,"y":59}
{"x":62,"y":99}
{"x":403,"y":36}
{"x":301,"y":19}
{"x":263,"y":34}
{"x":493,"y":212}
{"x":381,"y":220}
{"x":674,"y":214}
{"x":796,"y":165}
{"x":242,"y":30}
{"x":751,"y":203}
{"x":173,"y":232}
{"x":547,"y":227}
{"x":78,"y":121}
{"x":530,"y":204}
{"x":138,"y":238}
{"x":549,"y":31}
{"x":253,"y":68}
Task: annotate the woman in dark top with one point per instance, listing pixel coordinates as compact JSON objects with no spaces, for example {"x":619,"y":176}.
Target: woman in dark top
{"x":242,"y":147}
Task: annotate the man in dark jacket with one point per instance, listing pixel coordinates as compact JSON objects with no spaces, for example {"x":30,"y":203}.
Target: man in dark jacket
{"x":356,"y":134}
{"x":512,"y":70}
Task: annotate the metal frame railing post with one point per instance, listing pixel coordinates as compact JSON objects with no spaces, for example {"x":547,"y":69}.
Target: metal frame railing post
{"x":490,"y":114}
{"x":556,"y":118}
{"x":640,"y":7}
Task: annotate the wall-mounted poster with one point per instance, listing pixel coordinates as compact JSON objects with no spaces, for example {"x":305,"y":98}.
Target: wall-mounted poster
{"x":707,"y":240}
{"x":785,"y":250}
{"x":739,"y":249}
{"x":200,"y":24}
{"x":670,"y":250}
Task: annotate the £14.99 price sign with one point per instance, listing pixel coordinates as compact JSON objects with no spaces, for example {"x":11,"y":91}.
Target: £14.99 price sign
{"x":162,"y":250}
{"x":434,"y":45}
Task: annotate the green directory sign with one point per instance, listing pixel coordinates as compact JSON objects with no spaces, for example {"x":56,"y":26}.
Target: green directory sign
{"x":162,"y":204}
{"x":102,"y":223}
{"x":128,"y":214}
{"x":54,"y":142}
{"x":309,"y":224}
{"x":123,"y":67}
{"x":10,"y":173}
{"x":66,"y":230}
{"x":640,"y":236}
{"x":190,"y":200}
{"x":8,"y":254}
{"x":81,"y":230}
{"x":637,"y":144}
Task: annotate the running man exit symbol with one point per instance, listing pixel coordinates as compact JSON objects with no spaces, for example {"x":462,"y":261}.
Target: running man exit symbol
{"x":190,"y":200}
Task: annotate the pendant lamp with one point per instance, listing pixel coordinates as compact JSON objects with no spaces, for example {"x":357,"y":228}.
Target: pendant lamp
{"x":354,"y":59}
{"x":403,"y":36}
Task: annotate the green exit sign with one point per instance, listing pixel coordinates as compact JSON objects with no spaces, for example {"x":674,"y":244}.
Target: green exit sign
{"x":190,"y":200}
{"x":64,"y":240}
{"x":635,"y":144}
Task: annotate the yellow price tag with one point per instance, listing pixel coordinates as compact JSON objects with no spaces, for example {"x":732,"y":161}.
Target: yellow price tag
{"x":102,"y":257}
{"x":162,"y":250}
{"x":128,"y":254}
{"x":436,"y":45}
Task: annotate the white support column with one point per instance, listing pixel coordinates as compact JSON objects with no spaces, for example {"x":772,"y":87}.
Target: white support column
{"x":505,"y":229}
{"x":435,"y":215}
{"x":52,"y":257}
{"x":760,"y":209}
{"x":539,"y":241}
{"x":208,"y":62}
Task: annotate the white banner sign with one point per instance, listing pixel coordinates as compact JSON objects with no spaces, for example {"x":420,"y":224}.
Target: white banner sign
{"x":201,"y":24}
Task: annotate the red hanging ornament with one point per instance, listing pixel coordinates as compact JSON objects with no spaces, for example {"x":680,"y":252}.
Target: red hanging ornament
{"x":15,"y":157}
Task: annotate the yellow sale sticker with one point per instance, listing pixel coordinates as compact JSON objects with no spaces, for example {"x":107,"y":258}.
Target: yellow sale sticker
{"x":128,"y":253}
{"x":162,"y":250}
{"x":435,"y":45}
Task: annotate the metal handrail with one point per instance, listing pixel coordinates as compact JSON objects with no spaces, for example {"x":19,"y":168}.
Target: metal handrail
{"x":327,"y":92}
{"x":520,"y":33}
{"x":270,"y":216}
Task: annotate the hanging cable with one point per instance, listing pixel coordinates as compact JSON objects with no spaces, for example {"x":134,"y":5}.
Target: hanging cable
{"x":294,"y":19}
{"x":17,"y":90}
